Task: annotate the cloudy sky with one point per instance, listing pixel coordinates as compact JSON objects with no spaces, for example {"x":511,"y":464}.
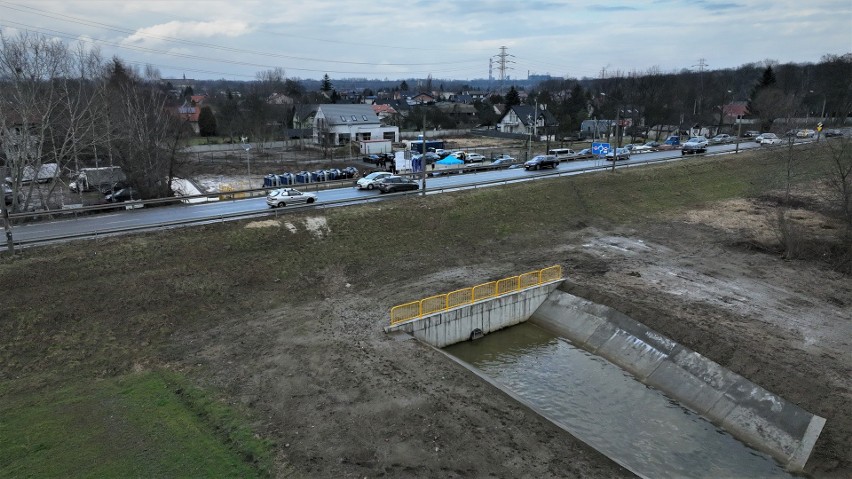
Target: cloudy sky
{"x":449,"y":39}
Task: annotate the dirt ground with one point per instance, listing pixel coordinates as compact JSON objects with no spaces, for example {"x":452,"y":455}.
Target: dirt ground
{"x":342,"y":399}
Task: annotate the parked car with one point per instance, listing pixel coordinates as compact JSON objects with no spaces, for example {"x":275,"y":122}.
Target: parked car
{"x":759,"y":137}
{"x":7,"y":195}
{"x":442,"y":152}
{"x":671,"y":143}
{"x":541,"y":161}
{"x":619,"y":154}
{"x":393,"y":184}
{"x":123,"y":194}
{"x":474,"y":157}
{"x":504,"y":157}
{"x":722,"y":138}
{"x":831,"y":133}
{"x":696,"y":144}
{"x":770,"y":139}
{"x":288,"y":196}
{"x":369,"y":182}
{"x":751,"y":134}
{"x":585,"y":153}
{"x":806,"y":133}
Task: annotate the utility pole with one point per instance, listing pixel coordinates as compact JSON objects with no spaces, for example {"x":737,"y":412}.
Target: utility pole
{"x":423,"y":152}
{"x":616,"y":142}
{"x":7,"y":224}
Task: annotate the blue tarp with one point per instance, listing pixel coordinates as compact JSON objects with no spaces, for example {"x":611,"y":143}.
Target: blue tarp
{"x":450,"y":160}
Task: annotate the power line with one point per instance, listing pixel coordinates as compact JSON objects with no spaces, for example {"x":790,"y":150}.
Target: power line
{"x":79,"y":21}
{"x":215,"y":60}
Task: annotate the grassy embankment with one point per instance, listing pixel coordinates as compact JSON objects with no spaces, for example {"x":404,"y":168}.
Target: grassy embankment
{"x":77,"y":320}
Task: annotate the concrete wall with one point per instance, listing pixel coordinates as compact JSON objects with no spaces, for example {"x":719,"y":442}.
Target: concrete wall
{"x":455,"y":325}
{"x":752,"y":414}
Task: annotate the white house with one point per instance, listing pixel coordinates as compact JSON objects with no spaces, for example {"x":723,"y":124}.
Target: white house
{"x":526,"y":119}
{"x":336,"y":124}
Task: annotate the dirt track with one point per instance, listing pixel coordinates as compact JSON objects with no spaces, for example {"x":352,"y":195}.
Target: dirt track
{"x":343,"y":399}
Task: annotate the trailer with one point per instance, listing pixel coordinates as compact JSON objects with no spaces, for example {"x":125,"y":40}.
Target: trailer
{"x":374,"y":147}
{"x":46,"y":173}
{"x":105,"y":178}
{"x":431,"y":145}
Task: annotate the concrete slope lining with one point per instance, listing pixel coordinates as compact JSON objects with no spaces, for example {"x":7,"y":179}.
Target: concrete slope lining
{"x":752,"y":414}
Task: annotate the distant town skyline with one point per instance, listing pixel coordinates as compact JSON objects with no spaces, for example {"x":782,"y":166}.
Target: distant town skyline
{"x":381,"y":39}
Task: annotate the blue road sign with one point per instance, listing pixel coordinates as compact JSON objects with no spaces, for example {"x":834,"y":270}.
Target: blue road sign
{"x":600,"y":149}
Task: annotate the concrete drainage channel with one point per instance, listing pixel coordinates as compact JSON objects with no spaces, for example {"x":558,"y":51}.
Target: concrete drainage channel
{"x":754,"y":416}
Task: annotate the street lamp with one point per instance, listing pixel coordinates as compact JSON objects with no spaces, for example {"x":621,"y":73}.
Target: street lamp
{"x":247,"y":147}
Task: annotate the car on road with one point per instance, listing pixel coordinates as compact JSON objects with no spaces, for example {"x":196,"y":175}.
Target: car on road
{"x":585,"y":153}
{"x":696,"y":144}
{"x":722,"y":138}
{"x":758,"y":138}
{"x":770,"y":139}
{"x":503,"y":157}
{"x":806,"y":133}
{"x":500,"y":163}
{"x":393,"y":184}
{"x":620,"y":154}
{"x":832,"y":133}
{"x":288,"y":196}
{"x":369,"y":182}
{"x":751,"y":134}
{"x":541,"y":161}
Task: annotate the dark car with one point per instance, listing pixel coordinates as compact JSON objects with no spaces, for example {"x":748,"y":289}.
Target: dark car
{"x":7,"y":195}
{"x":831,"y":133}
{"x":393,"y":184}
{"x":500,"y":163}
{"x":542,"y":161}
{"x":124,"y":194}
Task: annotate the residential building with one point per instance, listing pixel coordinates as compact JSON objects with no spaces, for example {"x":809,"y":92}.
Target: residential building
{"x":527,"y":119}
{"x":335,"y":124}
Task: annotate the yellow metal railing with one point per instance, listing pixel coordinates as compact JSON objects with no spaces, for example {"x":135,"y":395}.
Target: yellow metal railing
{"x":443,"y":302}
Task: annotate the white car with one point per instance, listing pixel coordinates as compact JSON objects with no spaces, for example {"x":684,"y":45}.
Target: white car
{"x":770,"y":139}
{"x":696,"y":144}
{"x":642,"y":148}
{"x":474,"y":157}
{"x":288,"y":196}
{"x":370,"y":181}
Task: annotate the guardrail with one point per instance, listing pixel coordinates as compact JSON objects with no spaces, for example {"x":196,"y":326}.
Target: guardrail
{"x":276,"y":212}
{"x":460,"y":297}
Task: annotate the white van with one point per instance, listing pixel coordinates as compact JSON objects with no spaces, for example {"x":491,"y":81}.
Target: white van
{"x":563,"y":153}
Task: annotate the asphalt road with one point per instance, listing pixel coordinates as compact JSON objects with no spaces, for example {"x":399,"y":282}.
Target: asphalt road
{"x":37,"y":232}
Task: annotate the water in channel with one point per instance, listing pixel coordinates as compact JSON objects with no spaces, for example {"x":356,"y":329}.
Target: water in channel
{"x":599,"y":403}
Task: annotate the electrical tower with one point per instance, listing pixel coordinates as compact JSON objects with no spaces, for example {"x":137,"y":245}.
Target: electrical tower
{"x":502,"y":66}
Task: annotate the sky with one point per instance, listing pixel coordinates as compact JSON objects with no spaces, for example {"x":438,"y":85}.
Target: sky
{"x":447,"y":39}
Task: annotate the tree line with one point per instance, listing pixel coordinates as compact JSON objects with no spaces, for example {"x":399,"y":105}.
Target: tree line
{"x":65,"y":104}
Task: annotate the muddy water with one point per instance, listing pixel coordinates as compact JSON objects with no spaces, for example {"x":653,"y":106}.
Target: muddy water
{"x":638,"y":427}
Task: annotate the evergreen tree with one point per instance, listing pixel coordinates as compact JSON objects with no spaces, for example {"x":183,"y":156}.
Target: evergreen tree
{"x":326,"y":84}
{"x":403,"y":86}
{"x":206,"y":122}
{"x":512,"y":98}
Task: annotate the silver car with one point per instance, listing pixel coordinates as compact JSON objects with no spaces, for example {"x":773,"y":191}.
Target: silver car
{"x":288,"y":196}
{"x":371,"y":181}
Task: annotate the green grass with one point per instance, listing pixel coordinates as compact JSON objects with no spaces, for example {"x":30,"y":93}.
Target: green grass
{"x":138,"y":425}
{"x":94,"y":309}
